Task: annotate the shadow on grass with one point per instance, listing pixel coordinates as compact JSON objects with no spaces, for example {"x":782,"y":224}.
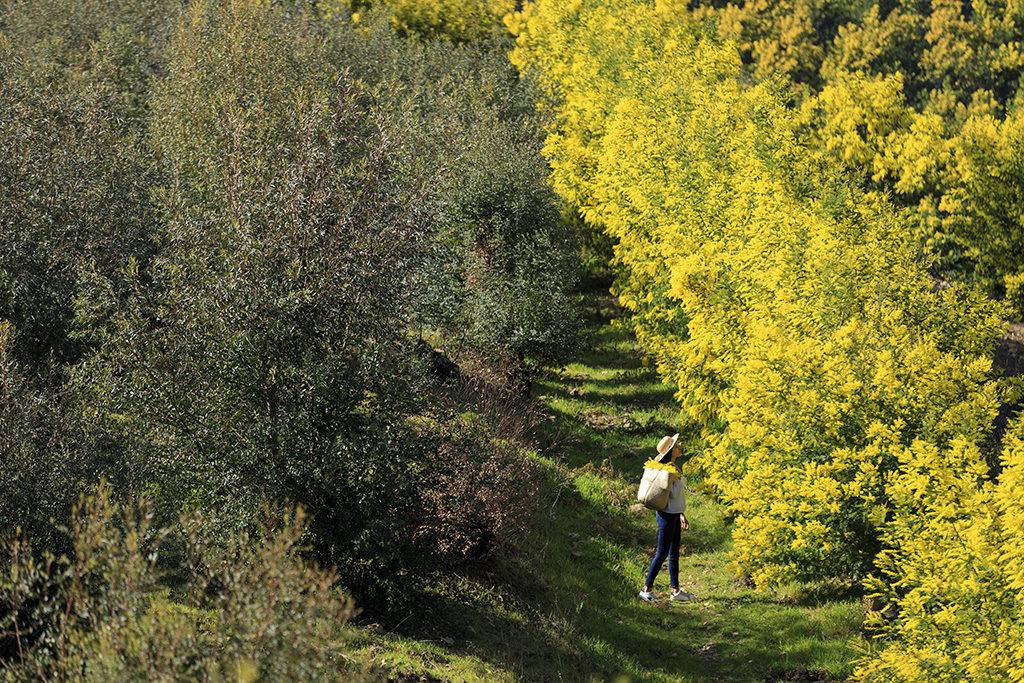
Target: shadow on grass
{"x":530,"y":615}
{"x":569,"y":609}
{"x":632,"y":394}
{"x":589,"y":426}
{"x":577,"y":445}
{"x":560,"y":606}
{"x":822,"y":592}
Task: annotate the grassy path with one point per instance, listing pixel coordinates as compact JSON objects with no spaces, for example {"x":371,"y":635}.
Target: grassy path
{"x":573,"y":613}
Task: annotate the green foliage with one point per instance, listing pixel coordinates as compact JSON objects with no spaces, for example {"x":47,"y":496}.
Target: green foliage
{"x":502,"y":262}
{"x":225,"y":227}
{"x":278,"y":287}
{"x":76,"y":172}
{"x":250,"y":608}
{"x":77,"y":176}
{"x":45,"y":465}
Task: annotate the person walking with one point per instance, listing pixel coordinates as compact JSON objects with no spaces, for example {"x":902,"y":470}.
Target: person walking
{"x":671,"y":522}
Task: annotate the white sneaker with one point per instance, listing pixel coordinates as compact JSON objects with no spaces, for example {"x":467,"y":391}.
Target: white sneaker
{"x":647,"y":595}
{"x":682,"y":596}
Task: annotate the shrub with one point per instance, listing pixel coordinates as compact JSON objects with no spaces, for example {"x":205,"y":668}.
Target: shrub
{"x":475,"y":495}
{"x":269,"y":351}
{"x":250,"y":608}
{"x":1014,"y":285}
{"x":265,"y":353}
{"x":502,"y":263}
{"x":77,"y":172}
{"x":950,"y":583}
{"x":46,"y":463}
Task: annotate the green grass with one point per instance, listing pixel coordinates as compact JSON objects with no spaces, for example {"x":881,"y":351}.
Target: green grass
{"x":564,"y":606}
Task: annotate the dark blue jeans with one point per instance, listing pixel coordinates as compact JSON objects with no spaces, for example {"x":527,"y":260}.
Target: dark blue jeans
{"x":669,"y":528}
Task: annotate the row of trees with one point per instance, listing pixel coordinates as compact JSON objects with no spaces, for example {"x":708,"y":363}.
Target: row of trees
{"x":233,"y":238}
{"x":915,"y":100}
{"x":847,"y":397}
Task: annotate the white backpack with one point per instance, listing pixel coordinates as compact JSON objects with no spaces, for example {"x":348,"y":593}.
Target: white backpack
{"x":655,"y":488}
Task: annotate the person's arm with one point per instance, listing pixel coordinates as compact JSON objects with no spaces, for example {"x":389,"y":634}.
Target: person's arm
{"x":682,"y":492}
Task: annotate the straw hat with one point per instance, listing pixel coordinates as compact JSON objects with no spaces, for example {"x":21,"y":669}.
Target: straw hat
{"x":666,"y":444}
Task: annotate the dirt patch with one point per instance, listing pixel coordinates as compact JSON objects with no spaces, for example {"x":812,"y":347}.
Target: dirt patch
{"x":604,"y":420}
{"x":412,"y":677}
{"x":801,"y":674}
{"x":708,"y":652}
